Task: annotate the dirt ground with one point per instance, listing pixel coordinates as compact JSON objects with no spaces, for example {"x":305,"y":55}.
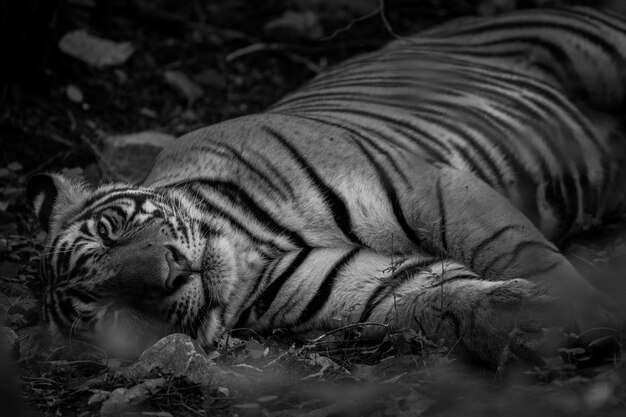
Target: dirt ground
{"x":233,"y":57}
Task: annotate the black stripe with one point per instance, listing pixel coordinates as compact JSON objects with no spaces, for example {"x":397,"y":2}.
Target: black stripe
{"x":198,"y":198}
{"x":60,"y":321}
{"x":66,"y":309}
{"x":392,"y":196}
{"x":137,"y":198}
{"x":48,"y":263}
{"x":443,"y":221}
{"x":569,"y":30}
{"x":337,"y":206}
{"x":207,"y":230}
{"x":258,"y":280}
{"x":119,"y":211}
{"x":417,"y":132}
{"x":379,"y":150}
{"x":265,"y":274}
{"x":322,"y":294}
{"x":489,"y":240}
{"x":473,"y":168}
{"x":398,"y":277}
{"x":82,"y":295}
{"x":442,"y":120}
{"x":63,"y":260}
{"x":406,"y":271}
{"x":269,"y":294}
{"x":80,"y":262}
{"x":373,"y":301}
{"x":105,"y":197}
{"x":240,"y":197}
{"x":185,"y":232}
{"x":242,"y":320}
{"x":236,"y":154}
{"x":84,"y":229}
{"x":513,"y":254}
{"x":244,"y":315}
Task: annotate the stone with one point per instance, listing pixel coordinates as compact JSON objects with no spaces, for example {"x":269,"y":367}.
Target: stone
{"x":131,"y":157}
{"x":181,"y":356}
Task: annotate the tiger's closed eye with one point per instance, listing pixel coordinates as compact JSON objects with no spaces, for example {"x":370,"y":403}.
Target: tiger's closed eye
{"x":103,"y":231}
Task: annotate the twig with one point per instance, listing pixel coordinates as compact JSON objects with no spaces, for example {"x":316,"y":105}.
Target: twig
{"x":193,"y":410}
{"x":60,"y":140}
{"x":352,"y":22}
{"x":349,"y":326}
{"x":383,"y":18}
{"x":255,"y":47}
{"x":587,"y":261}
{"x":310,"y":65}
{"x":157,"y":16}
{"x":259,"y":47}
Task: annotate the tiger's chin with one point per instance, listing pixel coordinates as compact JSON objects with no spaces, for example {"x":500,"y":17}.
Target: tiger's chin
{"x":124,"y":332}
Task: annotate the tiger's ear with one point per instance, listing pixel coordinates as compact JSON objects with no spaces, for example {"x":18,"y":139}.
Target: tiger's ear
{"x":52,"y":196}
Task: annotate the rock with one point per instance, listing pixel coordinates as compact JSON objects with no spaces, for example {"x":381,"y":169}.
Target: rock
{"x":179,"y":355}
{"x":130,"y":157}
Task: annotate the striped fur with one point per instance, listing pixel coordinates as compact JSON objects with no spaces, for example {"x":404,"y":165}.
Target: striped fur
{"x":420,"y":186}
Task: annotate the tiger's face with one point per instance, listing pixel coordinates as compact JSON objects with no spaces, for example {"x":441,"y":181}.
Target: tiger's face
{"x":124,"y":266}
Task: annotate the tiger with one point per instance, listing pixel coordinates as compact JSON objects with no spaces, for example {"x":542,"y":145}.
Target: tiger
{"x":424,"y":186}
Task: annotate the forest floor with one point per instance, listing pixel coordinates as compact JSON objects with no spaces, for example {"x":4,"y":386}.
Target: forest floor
{"x":195,"y":63}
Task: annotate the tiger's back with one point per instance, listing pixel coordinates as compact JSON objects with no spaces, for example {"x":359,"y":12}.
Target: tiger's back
{"x":529,"y":103}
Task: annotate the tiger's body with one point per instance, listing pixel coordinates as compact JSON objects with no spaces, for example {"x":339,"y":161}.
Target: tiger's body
{"x":419,"y":186}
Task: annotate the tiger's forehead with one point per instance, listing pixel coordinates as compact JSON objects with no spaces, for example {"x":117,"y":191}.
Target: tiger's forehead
{"x":121,"y":200}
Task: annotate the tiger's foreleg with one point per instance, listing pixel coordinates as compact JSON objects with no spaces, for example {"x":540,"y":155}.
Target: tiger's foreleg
{"x":462,"y":218}
{"x":444,"y":300}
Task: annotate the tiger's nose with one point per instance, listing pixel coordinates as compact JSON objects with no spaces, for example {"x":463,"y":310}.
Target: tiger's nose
{"x":179,"y":268}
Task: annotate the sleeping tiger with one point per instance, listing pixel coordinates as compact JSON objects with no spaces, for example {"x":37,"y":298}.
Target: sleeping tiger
{"x":420,"y":186}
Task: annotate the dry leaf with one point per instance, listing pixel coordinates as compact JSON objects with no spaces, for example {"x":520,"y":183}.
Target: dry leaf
{"x":74,"y":94}
{"x":15,"y":166}
{"x":304,"y":25}
{"x":181,"y":83}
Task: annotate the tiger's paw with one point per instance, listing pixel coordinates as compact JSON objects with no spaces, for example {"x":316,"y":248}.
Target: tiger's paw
{"x":510,"y":323}
{"x":520,"y":322}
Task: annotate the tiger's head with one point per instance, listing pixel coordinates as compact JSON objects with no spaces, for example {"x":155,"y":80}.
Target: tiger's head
{"x":125,"y":265}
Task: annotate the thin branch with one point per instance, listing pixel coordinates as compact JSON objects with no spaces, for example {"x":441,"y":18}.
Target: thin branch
{"x":349,"y":26}
{"x":349,"y":326}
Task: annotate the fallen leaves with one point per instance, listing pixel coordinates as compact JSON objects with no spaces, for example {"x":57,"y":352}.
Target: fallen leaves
{"x":95,"y":51}
{"x":123,"y":399}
